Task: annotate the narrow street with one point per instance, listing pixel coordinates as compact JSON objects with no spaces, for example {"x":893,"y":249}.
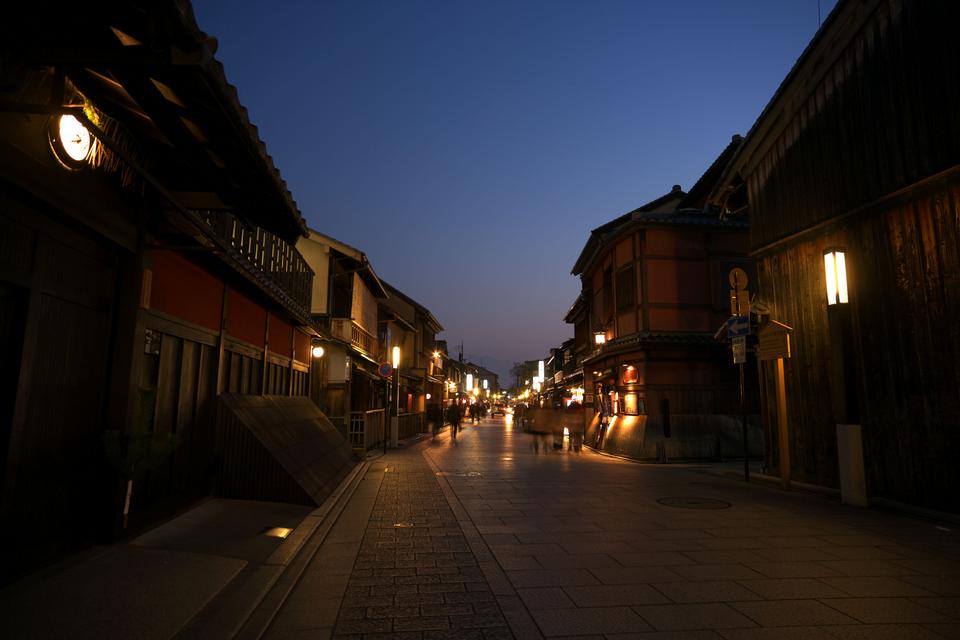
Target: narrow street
{"x":483,"y":538}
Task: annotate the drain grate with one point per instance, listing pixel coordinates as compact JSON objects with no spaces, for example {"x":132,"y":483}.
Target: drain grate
{"x":695,"y":503}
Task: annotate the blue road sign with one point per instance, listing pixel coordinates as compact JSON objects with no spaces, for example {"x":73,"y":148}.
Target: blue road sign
{"x":385,"y":369}
{"x":738,"y":326}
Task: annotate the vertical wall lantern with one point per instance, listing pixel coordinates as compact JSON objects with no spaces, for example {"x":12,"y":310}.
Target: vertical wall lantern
{"x":835,"y":267}
{"x":485,"y":384}
{"x":599,"y":338}
{"x":396,"y":357}
{"x":540,"y":371}
{"x":469,"y":382}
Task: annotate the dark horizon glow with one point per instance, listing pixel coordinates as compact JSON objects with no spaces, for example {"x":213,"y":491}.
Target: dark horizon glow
{"x":468,"y":148}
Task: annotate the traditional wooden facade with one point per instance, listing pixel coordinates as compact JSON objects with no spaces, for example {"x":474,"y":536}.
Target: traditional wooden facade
{"x":654,"y":292}
{"x":143,"y":270}
{"x":859,"y":150}
{"x":415,"y":329}
{"x":345,"y":302}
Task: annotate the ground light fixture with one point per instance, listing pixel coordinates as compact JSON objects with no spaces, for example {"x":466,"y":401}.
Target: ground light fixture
{"x":835,"y":268}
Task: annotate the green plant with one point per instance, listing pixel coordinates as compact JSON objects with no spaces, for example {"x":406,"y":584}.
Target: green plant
{"x":140,"y":448}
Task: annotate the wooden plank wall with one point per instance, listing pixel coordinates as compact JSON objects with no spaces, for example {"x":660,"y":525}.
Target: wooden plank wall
{"x":907,"y":318}
{"x":882,"y":118}
{"x":904,"y":271}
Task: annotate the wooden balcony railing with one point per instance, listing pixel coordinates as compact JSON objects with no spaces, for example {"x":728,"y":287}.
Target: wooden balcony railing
{"x":272,"y":260}
{"x":349,"y":331}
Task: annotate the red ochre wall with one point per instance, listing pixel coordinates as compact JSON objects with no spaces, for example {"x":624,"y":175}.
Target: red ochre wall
{"x":302,"y":344}
{"x":281,"y":336}
{"x":246,"y":320}
{"x":184,"y":290}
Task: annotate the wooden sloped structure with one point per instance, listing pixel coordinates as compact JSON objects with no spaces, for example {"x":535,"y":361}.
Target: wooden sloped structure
{"x":859,"y":149}
{"x":161,"y":265}
{"x":279,"y":449}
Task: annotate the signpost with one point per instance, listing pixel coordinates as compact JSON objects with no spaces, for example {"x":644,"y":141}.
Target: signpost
{"x":739,"y":347}
{"x":385,"y":370}
{"x":775,"y":345}
{"x":738,"y":327}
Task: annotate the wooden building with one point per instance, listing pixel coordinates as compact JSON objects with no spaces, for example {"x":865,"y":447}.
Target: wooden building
{"x":407,"y":324}
{"x":345,"y":303}
{"x":858,"y":151}
{"x":146,"y":266}
{"x":654,"y":292}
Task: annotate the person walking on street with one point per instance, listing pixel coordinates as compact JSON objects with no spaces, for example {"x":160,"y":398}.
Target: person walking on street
{"x":453,"y":417}
{"x":435,"y":416}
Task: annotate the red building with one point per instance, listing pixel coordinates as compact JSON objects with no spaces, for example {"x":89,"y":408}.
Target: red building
{"x":654,"y":292}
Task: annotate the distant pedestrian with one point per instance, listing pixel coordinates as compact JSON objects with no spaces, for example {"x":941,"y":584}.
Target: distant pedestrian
{"x":453,"y":417}
{"x":435,"y":416}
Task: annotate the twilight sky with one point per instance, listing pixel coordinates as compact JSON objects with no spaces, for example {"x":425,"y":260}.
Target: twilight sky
{"x":468,"y":148}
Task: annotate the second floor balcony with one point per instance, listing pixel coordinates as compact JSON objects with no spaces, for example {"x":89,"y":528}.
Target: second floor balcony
{"x":272,"y":263}
{"x":348,"y":331}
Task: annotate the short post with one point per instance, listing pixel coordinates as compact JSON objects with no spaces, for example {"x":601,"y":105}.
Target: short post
{"x":783,"y":438}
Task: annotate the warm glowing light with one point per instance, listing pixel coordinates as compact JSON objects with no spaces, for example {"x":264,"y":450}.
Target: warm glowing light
{"x":835,"y":267}
{"x":469,"y":382}
{"x":436,"y":355}
{"x":74,"y":138}
{"x":429,"y":396}
{"x":396,"y":357}
{"x":317,"y":352}
{"x":599,"y":338}
{"x":484,"y":384}
{"x":540,"y":370}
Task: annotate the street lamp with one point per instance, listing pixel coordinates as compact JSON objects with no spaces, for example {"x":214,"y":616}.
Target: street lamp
{"x":844,"y":376}
{"x":835,"y":268}
{"x":396,"y":373}
{"x":395,"y":433}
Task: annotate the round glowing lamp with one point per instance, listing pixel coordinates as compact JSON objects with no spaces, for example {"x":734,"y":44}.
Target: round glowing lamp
{"x":70,"y":141}
{"x":317,"y":351}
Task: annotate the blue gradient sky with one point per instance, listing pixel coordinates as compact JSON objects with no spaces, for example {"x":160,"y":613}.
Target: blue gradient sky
{"x":469,"y":147}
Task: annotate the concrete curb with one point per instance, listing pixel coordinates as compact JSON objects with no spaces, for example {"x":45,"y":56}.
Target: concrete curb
{"x":246,"y":606}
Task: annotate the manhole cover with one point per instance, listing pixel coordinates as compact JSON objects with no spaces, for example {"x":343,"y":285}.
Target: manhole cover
{"x":402,"y":525}
{"x":695,"y":503}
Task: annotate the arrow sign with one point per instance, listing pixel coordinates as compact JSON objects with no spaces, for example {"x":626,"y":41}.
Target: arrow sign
{"x":738,"y":326}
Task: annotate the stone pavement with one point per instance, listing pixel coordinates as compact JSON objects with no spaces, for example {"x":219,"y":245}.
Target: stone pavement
{"x":483,"y":538}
